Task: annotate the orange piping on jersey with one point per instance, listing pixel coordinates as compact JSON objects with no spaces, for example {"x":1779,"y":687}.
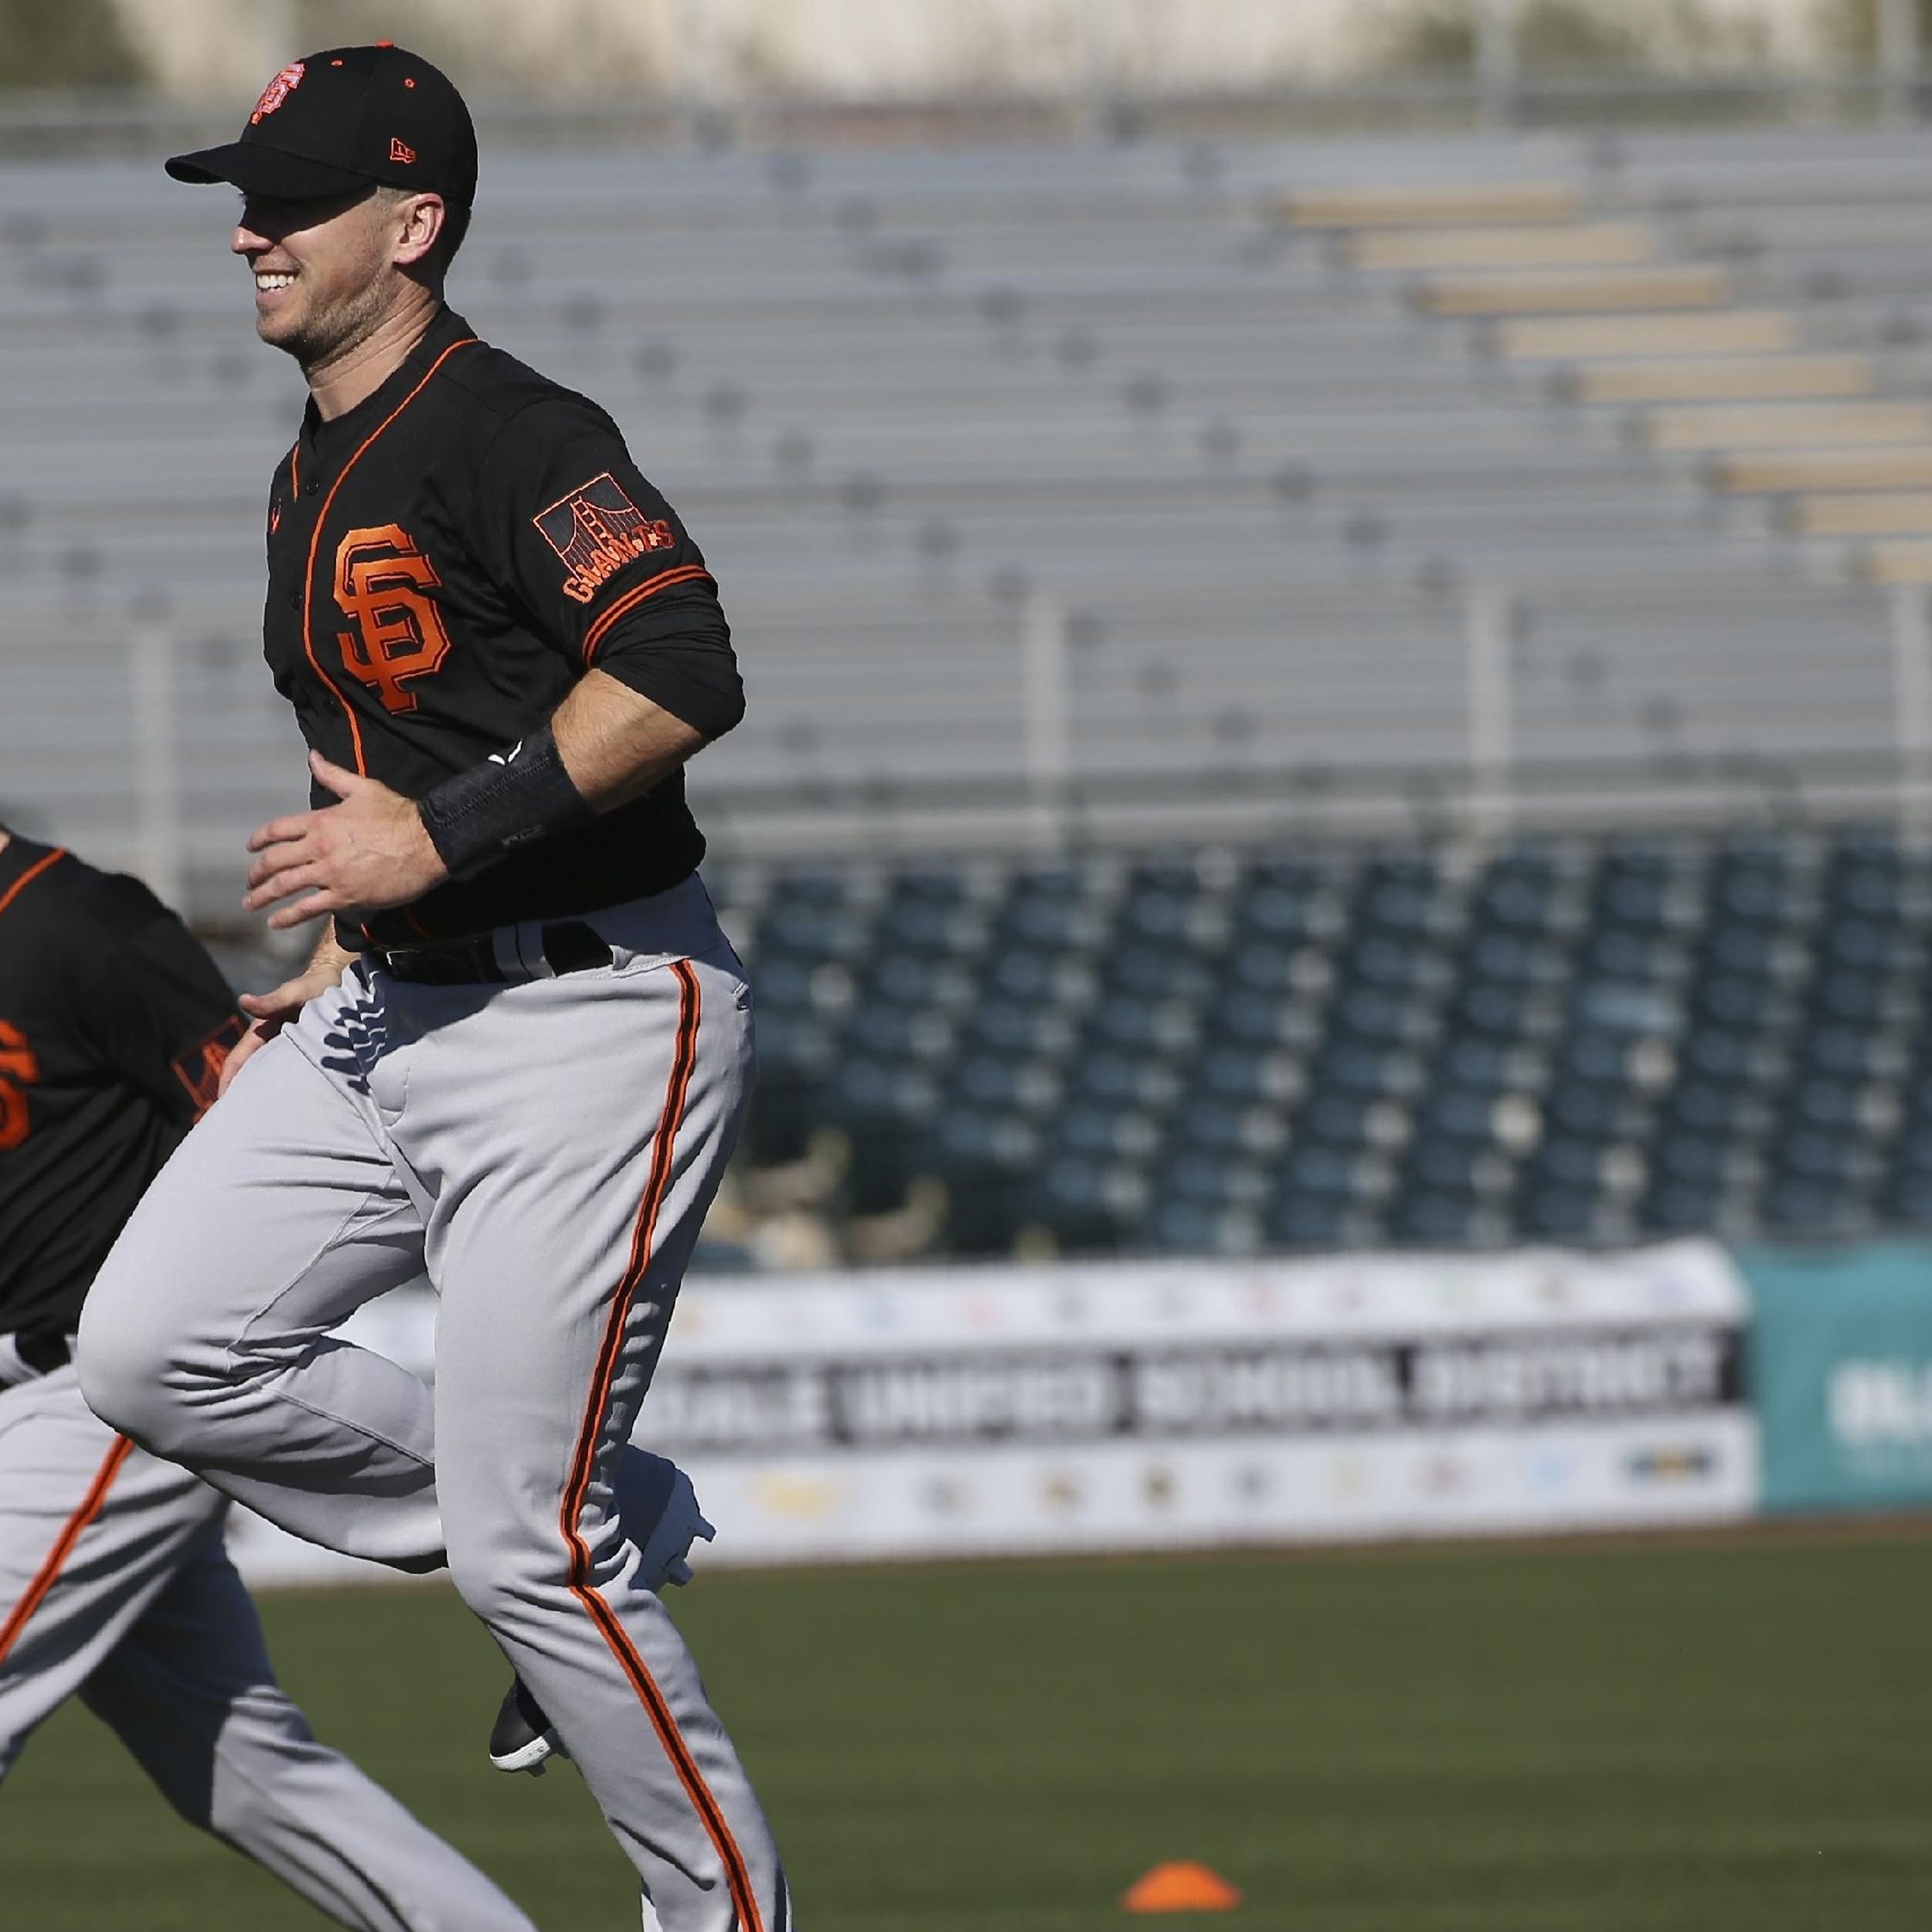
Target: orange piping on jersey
{"x":48,"y":1574}
{"x":33,"y":871}
{"x":295,"y":469}
{"x":664,"y":581}
{"x":744,"y":1898}
{"x":314,"y":543}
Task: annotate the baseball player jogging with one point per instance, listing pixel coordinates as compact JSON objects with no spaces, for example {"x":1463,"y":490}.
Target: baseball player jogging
{"x":114,"y":1581}
{"x":518,"y":1058}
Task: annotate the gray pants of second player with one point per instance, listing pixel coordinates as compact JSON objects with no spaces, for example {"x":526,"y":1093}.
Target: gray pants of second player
{"x":114,"y":1586}
{"x":545,"y":1151}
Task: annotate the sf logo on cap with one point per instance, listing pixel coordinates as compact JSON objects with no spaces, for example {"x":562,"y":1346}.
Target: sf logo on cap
{"x":278,"y":91}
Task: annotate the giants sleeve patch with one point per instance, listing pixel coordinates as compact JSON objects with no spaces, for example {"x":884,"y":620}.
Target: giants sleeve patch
{"x":596,"y":531}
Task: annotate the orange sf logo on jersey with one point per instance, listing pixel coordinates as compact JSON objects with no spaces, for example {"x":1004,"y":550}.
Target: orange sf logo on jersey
{"x":382,"y":582}
{"x":18,"y":1070}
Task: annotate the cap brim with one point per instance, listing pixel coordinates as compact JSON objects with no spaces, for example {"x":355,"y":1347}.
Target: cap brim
{"x":256,"y":168}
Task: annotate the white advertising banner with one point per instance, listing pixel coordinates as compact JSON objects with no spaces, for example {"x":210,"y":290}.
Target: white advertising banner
{"x":1112,"y":1406}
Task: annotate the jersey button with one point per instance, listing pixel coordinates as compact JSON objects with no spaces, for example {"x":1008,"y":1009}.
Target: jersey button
{"x":294,"y":600}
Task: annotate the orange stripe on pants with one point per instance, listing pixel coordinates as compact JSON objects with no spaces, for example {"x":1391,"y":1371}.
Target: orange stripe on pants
{"x":664,"y":1722}
{"x":91,"y":1507}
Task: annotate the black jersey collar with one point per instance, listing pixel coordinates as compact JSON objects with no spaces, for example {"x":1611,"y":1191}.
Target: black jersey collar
{"x":348,"y":430}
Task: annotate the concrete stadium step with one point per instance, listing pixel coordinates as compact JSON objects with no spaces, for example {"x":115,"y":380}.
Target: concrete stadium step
{"x":1728,"y":333}
{"x":1747,"y":426}
{"x":1908,"y":467}
{"x":1444,"y":204}
{"x":1583,"y":244}
{"x":1862,"y":513}
{"x":1714,"y":379}
{"x":1582,"y":292}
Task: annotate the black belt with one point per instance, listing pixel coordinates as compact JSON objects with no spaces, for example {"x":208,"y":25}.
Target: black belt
{"x":568,"y":947}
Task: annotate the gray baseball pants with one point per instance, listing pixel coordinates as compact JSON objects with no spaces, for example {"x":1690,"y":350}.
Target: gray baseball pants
{"x":545,"y":1151}
{"x":114,"y":1585}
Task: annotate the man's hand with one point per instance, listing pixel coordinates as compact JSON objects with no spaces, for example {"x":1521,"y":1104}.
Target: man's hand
{"x":269,"y":1012}
{"x":369,"y":852}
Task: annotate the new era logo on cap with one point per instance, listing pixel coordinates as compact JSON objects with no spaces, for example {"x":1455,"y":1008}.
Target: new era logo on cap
{"x":400,"y":151}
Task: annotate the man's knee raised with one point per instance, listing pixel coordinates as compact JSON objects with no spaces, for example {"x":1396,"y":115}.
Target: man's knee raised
{"x":126,"y":1370}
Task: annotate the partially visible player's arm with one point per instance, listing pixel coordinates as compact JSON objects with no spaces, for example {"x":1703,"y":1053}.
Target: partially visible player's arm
{"x":160,"y":1014}
{"x":269,"y":1012}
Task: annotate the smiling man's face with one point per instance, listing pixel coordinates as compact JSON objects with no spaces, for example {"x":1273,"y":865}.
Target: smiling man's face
{"x":325,"y":271}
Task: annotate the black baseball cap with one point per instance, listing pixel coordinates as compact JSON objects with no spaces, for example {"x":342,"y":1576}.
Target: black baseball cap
{"x":343,"y":118}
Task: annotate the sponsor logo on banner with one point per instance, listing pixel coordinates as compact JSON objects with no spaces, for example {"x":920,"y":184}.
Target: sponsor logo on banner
{"x":1090,"y":1394}
{"x":1683,"y":1462}
{"x":1881,"y":1404}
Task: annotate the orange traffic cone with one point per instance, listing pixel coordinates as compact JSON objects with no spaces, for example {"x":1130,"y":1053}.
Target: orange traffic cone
{"x":1181,"y":1886}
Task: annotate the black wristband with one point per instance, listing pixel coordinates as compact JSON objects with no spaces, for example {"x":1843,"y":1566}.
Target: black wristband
{"x":511,"y":799}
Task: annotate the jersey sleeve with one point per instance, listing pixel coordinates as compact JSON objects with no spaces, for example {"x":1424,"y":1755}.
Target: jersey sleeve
{"x":160,"y":1014}
{"x":601,"y":564}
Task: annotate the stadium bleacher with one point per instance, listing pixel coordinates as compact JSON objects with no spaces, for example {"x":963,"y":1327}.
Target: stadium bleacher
{"x":1209,"y":1050}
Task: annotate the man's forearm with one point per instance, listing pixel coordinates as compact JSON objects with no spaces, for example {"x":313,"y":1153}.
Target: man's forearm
{"x":616,"y":745}
{"x":603,"y":745}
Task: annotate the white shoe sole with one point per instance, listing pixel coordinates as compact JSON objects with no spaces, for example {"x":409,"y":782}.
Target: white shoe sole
{"x":533,"y":1757}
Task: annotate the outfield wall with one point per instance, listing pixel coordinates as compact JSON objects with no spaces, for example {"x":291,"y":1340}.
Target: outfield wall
{"x":965,"y":1412}
{"x":1841,"y":1374}
{"x":1016,"y":1410}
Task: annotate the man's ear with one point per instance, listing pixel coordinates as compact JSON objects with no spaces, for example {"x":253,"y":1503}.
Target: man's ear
{"x":422,"y":224}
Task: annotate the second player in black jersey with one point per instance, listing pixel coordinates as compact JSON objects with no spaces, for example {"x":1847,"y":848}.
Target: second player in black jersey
{"x":113,"y":1026}
{"x":115,"y":1588}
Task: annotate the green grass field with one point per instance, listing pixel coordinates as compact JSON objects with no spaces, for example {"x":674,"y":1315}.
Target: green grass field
{"x":1634,"y":1738}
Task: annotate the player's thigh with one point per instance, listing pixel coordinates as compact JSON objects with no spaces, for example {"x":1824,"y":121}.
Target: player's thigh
{"x":279,"y":1215}
{"x":92,"y":1531}
{"x":559,"y":1266}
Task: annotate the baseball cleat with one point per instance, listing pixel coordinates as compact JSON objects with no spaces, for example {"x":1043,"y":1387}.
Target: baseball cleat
{"x":522,"y":1739}
{"x":650,"y":1489}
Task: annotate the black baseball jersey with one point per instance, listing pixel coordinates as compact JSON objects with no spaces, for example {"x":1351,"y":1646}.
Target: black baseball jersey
{"x":113,"y":1026}
{"x":445,"y":562}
